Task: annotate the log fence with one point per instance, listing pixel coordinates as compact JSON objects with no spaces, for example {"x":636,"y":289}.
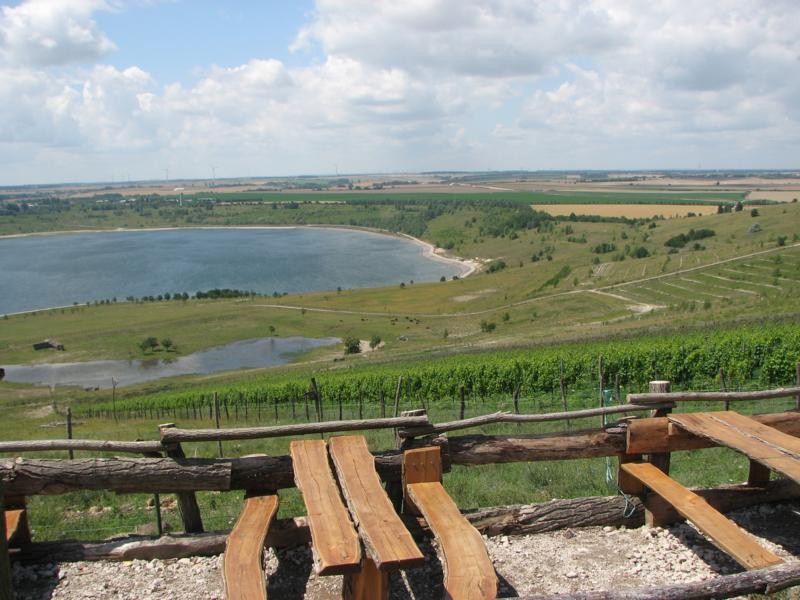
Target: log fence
{"x":162,"y":467}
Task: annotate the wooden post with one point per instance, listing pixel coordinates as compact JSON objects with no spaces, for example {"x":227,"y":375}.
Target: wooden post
{"x":276,"y":409}
{"x":317,"y":399}
{"x":187,"y":501}
{"x":602,"y":382}
{"x":367,"y":584}
{"x":515,"y":398}
{"x":216,"y":421}
{"x":159,"y":524}
{"x":660,"y":460}
{"x":69,"y":430}
{"x":563,"y":388}
{"x":383,"y":405}
{"x":306,"y":396}
{"x":758,"y":475}
{"x":723,"y":387}
{"x":6,"y":592}
{"x":397,"y":395}
{"x":462,"y":392}
{"x":797,"y":379}
{"x":395,"y":489}
{"x":360,"y":407}
{"x":340,"y":407}
{"x":294,"y":414}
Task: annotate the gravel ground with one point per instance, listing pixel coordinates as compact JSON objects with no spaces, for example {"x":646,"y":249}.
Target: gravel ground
{"x":592,"y":558}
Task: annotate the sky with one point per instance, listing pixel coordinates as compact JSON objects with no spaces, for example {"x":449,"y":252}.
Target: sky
{"x":112,"y":90}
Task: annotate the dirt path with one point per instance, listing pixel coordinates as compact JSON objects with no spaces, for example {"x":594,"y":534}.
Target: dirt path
{"x":585,"y":559}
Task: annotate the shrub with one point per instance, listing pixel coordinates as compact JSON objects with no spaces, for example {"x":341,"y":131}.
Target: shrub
{"x":352,"y":345}
{"x":496,"y":265}
{"x":374,"y":341}
{"x":604,"y":248}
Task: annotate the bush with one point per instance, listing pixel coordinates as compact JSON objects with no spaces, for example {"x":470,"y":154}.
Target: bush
{"x":352,"y":345}
{"x":374,"y":341}
{"x":496,"y":265}
{"x":149,"y":343}
{"x":754,"y":212}
{"x":641,"y":252}
{"x":488,"y":326}
{"x":604,"y":248}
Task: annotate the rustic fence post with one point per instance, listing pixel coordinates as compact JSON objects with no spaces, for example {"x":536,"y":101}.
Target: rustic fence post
{"x":723,"y":387}
{"x":216,"y":421}
{"x":397,"y":395}
{"x":6,"y":591}
{"x":187,"y":501}
{"x":797,"y":380}
{"x":383,"y":405}
{"x":661,"y":460}
{"x":515,"y":398}
{"x":69,"y":430}
{"x":602,"y":385}
{"x":462,"y":393}
{"x":394,"y":489}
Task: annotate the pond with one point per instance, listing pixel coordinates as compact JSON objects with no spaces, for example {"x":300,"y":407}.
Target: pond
{"x":255,"y":353}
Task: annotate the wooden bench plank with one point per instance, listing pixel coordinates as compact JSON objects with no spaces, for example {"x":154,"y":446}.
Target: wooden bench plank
{"x":335,"y":544}
{"x":468,"y":571}
{"x":386,"y":539}
{"x":772,"y":448}
{"x":243,"y":566}
{"x":724,"y":533}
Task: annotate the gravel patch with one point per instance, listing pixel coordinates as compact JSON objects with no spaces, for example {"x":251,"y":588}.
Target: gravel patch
{"x":592,"y":558}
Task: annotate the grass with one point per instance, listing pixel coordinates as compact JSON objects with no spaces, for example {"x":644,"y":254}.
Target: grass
{"x":589,"y":299}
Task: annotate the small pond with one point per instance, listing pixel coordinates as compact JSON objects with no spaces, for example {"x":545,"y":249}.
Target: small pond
{"x":255,"y":353}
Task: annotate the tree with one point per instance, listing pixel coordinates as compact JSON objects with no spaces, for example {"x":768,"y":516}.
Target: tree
{"x":754,"y":212}
{"x":374,"y":341}
{"x":148,"y":343}
{"x":167,"y":343}
{"x":352,"y":345}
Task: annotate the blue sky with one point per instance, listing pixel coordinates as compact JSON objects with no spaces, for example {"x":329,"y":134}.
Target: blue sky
{"x":176,"y":40}
{"x":107,"y":89}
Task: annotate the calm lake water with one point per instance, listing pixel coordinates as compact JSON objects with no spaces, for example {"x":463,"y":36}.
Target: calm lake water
{"x":261,"y":352}
{"x":58,"y":270}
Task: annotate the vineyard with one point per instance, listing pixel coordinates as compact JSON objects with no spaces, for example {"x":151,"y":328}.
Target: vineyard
{"x":765,"y":355}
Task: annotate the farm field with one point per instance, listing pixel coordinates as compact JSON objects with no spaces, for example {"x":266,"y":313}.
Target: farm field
{"x":630,"y":211}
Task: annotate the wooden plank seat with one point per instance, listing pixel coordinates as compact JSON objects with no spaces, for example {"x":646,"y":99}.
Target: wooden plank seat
{"x":766,"y":445}
{"x":334,"y":541}
{"x":243,"y":571}
{"x":723,"y":533}
{"x":388,"y":544}
{"x":468,"y":570}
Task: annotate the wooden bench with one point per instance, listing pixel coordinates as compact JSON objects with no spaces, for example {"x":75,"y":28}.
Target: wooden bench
{"x":468,"y":570}
{"x":334,"y":541}
{"x":389,"y":545}
{"x":243,"y":570}
{"x":724,"y":533}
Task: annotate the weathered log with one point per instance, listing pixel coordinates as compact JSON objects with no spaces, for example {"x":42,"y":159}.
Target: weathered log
{"x":187,"y":501}
{"x":505,"y":520}
{"x":28,"y":477}
{"x":88,"y":445}
{"x":653,"y":435}
{"x":760,"y":581}
{"x":282,"y":533}
{"x":659,"y":397}
{"x":505,"y":417}
{"x":485,"y":449}
{"x":174,"y":435}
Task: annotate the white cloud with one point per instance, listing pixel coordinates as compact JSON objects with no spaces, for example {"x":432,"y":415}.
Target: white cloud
{"x":424,"y":84}
{"x":42,"y":33}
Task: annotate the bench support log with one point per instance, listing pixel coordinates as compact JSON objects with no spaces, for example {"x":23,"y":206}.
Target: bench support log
{"x":187,"y":501}
{"x":5,"y":566}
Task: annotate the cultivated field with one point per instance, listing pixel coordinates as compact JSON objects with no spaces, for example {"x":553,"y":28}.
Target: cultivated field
{"x":631,"y":211}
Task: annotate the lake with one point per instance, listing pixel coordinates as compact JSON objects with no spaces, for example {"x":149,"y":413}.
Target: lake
{"x":44,"y":271}
{"x":255,"y":353}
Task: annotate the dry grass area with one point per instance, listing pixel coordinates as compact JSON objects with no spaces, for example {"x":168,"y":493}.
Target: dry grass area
{"x":777,"y":195}
{"x":633,"y":211}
